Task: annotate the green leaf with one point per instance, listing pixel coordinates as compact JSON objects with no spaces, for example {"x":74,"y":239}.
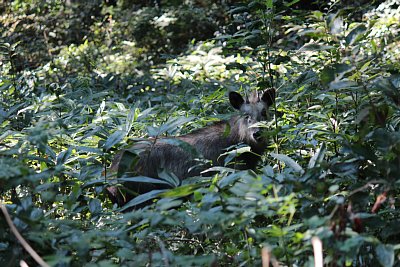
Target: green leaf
{"x":232,"y":154}
{"x":327,"y":75}
{"x":143,"y":179}
{"x":352,"y":244}
{"x":385,"y":255}
{"x":142,"y":198}
{"x":343,"y":68}
{"x":315,"y":47}
{"x":317,"y":114}
{"x":356,"y":34}
{"x":94,"y":205}
{"x":170,"y":178}
{"x":291,"y":3}
{"x":181,"y":191}
{"x":87,"y":149}
{"x":98,"y":182}
{"x":306,"y":78}
{"x":344,"y":84}
{"x":63,"y":156}
{"x":169,"y":127}
{"x":218,"y":169}
{"x":223,"y":37}
{"x":114,"y":139}
{"x":230,"y":179}
{"x":132,"y":116}
{"x":289,"y":162}
{"x":237,"y":10}
{"x":127,"y":162}
{"x":317,"y":157}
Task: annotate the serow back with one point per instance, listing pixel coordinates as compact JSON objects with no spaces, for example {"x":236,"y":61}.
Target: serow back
{"x":180,"y":155}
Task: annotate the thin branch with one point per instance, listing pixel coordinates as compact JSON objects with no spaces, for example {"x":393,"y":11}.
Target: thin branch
{"x":368,"y":184}
{"x":267,"y":258}
{"x":317,"y":247}
{"x":23,"y":242}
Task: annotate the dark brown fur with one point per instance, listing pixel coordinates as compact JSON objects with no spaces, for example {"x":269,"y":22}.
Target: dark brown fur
{"x":210,"y":142}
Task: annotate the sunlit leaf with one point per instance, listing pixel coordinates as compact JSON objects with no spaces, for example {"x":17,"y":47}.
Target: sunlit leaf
{"x":141,"y":199}
{"x":288,"y":161}
{"x":318,"y":156}
{"x":315,"y":47}
{"x":181,"y":191}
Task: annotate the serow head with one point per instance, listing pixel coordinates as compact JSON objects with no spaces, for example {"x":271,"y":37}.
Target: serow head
{"x":253,"y":108}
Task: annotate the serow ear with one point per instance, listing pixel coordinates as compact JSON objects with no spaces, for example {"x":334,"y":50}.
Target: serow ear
{"x":269,"y":96}
{"x":236,"y":100}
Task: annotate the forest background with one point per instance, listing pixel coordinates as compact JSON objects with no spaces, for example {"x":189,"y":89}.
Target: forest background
{"x":80,"y":80}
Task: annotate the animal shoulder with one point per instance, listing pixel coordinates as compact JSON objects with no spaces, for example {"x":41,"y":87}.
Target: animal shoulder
{"x":214,"y":128}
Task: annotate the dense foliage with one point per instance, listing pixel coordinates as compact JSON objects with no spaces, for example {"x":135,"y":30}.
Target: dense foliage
{"x":80,"y":80}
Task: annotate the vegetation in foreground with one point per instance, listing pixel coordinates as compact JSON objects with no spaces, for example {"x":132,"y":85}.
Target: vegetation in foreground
{"x":78,"y":82}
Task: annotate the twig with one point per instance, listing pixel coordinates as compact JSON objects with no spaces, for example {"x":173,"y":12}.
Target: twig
{"x":23,"y":242}
{"x":368,"y":184}
{"x":317,"y":247}
{"x":267,"y":258}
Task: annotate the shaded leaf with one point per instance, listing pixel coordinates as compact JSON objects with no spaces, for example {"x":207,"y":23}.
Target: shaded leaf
{"x":63,"y":156}
{"x":356,"y":34}
{"x":127,"y":162}
{"x":114,"y":139}
{"x":143,"y":179}
{"x":230,"y":179}
{"x":170,"y":178}
{"x":385,"y":255}
{"x":94,"y":205}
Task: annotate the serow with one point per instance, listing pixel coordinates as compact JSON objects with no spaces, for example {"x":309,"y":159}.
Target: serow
{"x":180,"y":155}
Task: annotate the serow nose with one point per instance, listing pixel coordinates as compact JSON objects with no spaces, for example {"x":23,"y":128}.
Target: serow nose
{"x":257,"y":135}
